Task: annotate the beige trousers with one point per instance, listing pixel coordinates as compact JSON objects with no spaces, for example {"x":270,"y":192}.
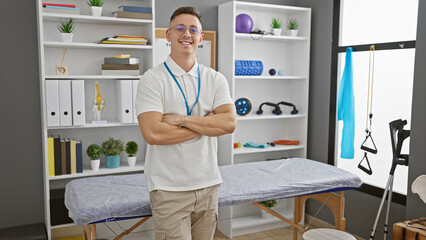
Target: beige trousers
{"x":187,"y":215}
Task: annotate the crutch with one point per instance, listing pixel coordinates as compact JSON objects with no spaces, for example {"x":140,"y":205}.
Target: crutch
{"x":396,"y":130}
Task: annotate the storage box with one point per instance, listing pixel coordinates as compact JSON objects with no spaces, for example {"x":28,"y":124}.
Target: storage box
{"x":58,"y":211}
{"x":403,"y":232}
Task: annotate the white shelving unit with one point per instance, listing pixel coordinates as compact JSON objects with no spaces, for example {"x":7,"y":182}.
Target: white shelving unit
{"x":286,"y":53}
{"x":83,"y":58}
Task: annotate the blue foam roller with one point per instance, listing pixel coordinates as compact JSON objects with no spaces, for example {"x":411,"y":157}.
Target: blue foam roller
{"x":248,"y":67}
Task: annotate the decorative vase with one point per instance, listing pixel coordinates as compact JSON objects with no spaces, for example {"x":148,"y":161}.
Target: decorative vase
{"x":131,"y":161}
{"x":94,"y":164}
{"x":66,"y":37}
{"x":112,"y":161}
{"x":276,"y":31}
{"x":96,"y":11}
{"x":292,"y":32}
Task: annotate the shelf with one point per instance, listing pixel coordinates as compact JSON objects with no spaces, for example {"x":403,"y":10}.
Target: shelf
{"x":244,"y":150}
{"x":85,"y":77}
{"x":239,"y":77}
{"x":267,"y":117}
{"x":89,"y":125}
{"x":248,"y":36}
{"x":244,"y":224}
{"x":64,"y":225}
{"x":87,"y":172}
{"x":55,"y":44}
{"x":55,"y":17}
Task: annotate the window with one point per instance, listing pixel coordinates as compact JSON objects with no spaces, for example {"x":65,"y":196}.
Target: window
{"x":391,"y":26}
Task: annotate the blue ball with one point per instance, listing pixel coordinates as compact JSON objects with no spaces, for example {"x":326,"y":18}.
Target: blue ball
{"x":280,"y":72}
{"x":272,"y":72}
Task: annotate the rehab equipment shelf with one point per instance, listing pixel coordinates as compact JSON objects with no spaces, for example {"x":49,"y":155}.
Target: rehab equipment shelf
{"x":246,"y":150}
{"x":269,"y":77}
{"x":56,"y":44}
{"x":55,"y":17}
{"x":87,"y":172}
{"x":87,"y":77}
{"x":270,"y":116}
{"x":258,"y":37}
{"x":113,"y":123}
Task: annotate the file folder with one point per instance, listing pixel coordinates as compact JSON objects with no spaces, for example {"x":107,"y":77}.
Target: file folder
{"x":79,"y":156}
{"x":51,"y":156}
{"x":73,"y":158}
{"x":65,"y":117}
{"x":124,"y":98}
{"x":52,"y":103}
{"x":135,"y":91}
{"x":78,"y":102}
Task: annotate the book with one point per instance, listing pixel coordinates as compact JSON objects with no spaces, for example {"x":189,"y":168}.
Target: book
{"x":121,"y":14}
{"x":63,"y":11}
{"x":79,"y":156}
{"x":63,"y":157}
{"x":120,"y":72}
{"x":51,"y":156}
{"x":68,"y":156}
{"x":57,"y":155}
{"x":129,"y":36}
{"x":113,"y":60}
{"x":122,"y":42}
{"x":135,"y":9}
{"x":120,"y":66}
{"x":122,"y":56}
{"x":73,"y":159}
{"x":130,"y":40}
{"x":58,"y":5}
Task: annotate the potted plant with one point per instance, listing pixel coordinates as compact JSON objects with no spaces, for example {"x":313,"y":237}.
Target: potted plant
{"x":96,"y":7}
{"x":66,"y":27}
{"x":276,"y":25}
{"x":94,"y":152}
{"x":112,"y":149}
{"x":269,"y":204}
{"x":292,"y":27}
{"x":131,"y":150}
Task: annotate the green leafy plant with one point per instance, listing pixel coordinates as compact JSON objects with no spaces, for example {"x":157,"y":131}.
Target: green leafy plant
{"x":66,"y":26}
{"x":112,"y":147}
{"x":94,"y":151}
{"x":276,"y":23}
{"x":292,"y":24}
{"x":131,"y":148}
{"x":269,"y":203}
{"x":95,"y":3}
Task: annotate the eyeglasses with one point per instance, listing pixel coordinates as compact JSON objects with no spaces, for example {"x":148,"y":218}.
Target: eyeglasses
{"x":193,"y":30}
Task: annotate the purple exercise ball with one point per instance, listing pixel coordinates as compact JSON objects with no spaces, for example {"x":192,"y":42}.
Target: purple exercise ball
{"x":244,"y":23}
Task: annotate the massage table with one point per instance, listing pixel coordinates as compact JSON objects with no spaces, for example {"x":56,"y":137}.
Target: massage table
{"x":111,"y":198}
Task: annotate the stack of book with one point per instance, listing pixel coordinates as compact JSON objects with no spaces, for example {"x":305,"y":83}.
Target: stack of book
{"x":60,"y":8}
{"x":65,"y":156}
{"x":125,"y":39}
{"x":121,"y":65}
{"x":133,"y":12}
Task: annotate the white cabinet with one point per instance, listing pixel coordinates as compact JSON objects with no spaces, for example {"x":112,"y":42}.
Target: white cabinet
{"x":285,"y":53}
{"x":83,"y":58}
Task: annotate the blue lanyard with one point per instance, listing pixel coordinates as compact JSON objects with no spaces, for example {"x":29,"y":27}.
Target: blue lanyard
{"x":180,"y":88}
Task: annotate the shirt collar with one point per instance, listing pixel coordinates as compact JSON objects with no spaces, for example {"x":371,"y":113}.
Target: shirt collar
{"x":178,"y":71}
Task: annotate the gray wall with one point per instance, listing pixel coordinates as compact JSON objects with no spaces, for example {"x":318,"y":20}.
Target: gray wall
{"x":21,"y":200}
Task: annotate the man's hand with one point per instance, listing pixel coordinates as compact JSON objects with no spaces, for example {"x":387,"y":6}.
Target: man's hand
{"x":173,"y":119}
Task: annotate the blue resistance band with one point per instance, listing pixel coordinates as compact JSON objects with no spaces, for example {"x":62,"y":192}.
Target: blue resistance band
{"x":254,"y":145}
{"x":188,"y":112}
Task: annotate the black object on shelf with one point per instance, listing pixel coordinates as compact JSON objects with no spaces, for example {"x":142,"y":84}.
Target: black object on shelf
{"x":58,"y":211}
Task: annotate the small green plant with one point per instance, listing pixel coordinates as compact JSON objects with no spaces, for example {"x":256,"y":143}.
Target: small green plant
{"x":292,"y":24}
{"x":131,"y":148}
{"x":94,"y":151}
{"x":269,"y":203}
{"x":95,"y":3}
{"x":112,"y":147}
{"x":276,"y":23}
{"x":66,"y":26}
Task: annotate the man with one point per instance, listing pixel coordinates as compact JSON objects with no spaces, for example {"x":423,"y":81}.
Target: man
{"x":182,"y":106}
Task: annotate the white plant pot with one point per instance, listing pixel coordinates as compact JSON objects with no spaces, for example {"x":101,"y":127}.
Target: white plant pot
{"x":276,"y":31}
{"x":94,"y":164}
{"x":292,"y":33}
{"x":66,"y":37}
{"x":96,"y":11}
{"x":131,"y":161}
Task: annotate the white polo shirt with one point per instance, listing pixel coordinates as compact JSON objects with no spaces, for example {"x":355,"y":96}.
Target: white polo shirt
{"x":192,"y":164}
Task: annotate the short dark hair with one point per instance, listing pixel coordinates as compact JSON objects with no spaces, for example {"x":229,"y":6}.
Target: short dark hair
{"x":186,"y":10}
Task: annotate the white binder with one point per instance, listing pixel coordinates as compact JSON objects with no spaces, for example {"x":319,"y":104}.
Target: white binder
{"x":135,"y":91}
{"x":78,"y":102}
{"x":65,"y":117}
{"x":52,"y":103}
{"x":124,"y":98}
